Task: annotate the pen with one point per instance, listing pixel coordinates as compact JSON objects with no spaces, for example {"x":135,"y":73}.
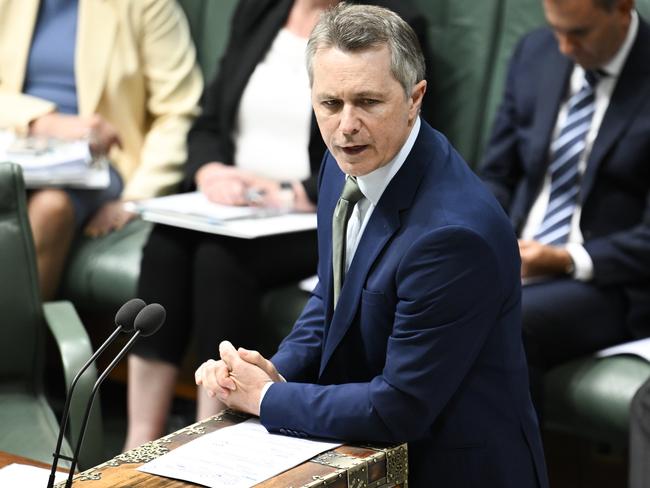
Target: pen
{"x":254,"y":195}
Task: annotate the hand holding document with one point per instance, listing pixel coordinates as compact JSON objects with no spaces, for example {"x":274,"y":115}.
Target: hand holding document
{"x":50,"y":162}
{"x":194,"y":211}
{"x":239,"y":456}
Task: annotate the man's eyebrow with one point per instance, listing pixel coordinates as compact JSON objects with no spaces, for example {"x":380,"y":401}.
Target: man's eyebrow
{"x":369,"y":94}
{"x":326,"y":96}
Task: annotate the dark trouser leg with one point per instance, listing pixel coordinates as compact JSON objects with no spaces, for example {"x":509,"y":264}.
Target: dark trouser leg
{"x":165,"y":278}
{"x":565,"y":319}
{"x":230,"y":276}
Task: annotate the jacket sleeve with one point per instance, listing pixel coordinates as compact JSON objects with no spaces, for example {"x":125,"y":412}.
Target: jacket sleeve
{"x":174,"y":85}
{"x":448,"y":319}
{"x":19,"y":110}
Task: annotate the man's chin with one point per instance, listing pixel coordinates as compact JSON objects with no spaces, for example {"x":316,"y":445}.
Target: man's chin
{"x":352,"y":168}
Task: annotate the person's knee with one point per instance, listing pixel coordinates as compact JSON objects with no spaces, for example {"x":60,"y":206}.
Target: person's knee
{"x":51,"y":214}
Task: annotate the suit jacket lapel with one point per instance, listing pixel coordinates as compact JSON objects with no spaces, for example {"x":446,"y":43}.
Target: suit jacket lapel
{"x":384,"y":222}
{"x":97,"y":26}
{"x":556,"y":72}
{"x":632,"y":87}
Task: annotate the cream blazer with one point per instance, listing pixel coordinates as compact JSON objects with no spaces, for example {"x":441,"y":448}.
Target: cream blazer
{"x":135,"y":65}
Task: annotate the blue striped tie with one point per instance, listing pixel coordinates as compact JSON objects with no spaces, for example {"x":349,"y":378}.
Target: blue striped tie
{"x":566,"y":150}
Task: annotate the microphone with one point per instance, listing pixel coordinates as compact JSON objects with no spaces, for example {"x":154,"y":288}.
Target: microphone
{"x":124,"y":320}
{"x":146,"y":323}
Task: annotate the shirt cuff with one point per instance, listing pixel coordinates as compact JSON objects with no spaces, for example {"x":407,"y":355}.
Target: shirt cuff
{"x":265,"y":388}
{"x":583,"y":266}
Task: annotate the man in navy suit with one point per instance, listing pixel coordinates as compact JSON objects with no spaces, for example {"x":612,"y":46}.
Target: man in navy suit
{"x":575,"y":182}
{"x":422,"y":342}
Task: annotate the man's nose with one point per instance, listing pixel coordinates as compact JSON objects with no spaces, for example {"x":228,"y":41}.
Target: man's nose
{"x":567,"y":45}
{"x":350,"y":123}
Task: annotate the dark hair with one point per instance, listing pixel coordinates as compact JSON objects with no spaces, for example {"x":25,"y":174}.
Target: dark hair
{"x":605,"y":4}
{"x":360,"y":27}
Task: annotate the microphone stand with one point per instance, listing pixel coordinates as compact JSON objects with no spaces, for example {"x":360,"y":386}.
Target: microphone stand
{"x":64,"y":416}
{"x":84,"y":423}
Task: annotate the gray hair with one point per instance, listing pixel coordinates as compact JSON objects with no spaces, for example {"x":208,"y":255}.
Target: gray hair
{"x":360,"y":27}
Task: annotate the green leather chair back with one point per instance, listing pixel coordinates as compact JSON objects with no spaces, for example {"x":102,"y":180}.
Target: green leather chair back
{"x":23,"y":329}
{"x":28,"y":426}
{"x":471,"y":43}
{"x":209,"y":24}
{"x":643,"y":6}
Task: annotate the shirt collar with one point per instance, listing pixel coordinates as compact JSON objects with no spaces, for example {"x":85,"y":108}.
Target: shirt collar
{"x":615,"y":65}
{"x":374,"y":183}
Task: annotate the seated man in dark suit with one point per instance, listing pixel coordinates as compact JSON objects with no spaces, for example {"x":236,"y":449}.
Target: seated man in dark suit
{"x":569,"y":160}
{"x":413,"y":331}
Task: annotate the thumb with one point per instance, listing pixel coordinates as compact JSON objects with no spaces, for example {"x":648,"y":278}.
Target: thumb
{"x":228,"y":354}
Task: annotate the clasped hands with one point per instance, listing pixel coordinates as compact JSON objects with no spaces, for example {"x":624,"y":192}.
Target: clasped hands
{"x":237,"y":379}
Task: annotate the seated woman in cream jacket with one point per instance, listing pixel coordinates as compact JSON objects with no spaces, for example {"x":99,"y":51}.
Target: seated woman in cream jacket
{"x":121,"y":73}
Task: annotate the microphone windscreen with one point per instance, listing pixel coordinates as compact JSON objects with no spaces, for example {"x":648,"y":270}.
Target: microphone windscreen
{"x":150,"y":319}
{"x":127,"y":313}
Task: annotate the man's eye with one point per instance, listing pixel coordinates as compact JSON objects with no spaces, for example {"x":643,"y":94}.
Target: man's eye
{"x":369,"y":101}
{"x":330,"y":103}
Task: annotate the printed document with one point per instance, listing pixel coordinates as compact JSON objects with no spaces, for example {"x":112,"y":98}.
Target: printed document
{"x":238,"y":456}
{"x":27,"y":476}
{"x":194,"y":211}
{"x":58,"y":163}
{"x":639,"y":348}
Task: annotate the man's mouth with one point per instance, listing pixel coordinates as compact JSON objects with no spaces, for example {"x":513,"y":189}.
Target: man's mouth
{"x":352,"y":150}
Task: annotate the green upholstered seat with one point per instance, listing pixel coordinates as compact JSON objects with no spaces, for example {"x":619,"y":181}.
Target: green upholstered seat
{"x":591,"y":397}
{"x":27,"y":424}
{"x":103,"y":273}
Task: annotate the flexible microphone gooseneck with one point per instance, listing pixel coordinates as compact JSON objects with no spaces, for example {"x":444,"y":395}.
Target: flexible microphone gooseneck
{"x":146,"y":323}
{"x":124,"y":320}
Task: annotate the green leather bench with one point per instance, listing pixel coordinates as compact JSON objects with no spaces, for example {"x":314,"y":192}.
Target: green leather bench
{"x":471,"y":43}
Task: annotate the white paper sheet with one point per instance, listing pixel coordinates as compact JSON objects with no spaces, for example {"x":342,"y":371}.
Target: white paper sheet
{"x":639,"y":348}
{"x":27,"y":476}
{"x":194,"y":211}
{"x":239,"y":456}
{"x":48,"y":162}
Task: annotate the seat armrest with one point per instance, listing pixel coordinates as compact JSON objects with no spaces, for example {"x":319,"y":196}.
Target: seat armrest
{"x":75,"y":348}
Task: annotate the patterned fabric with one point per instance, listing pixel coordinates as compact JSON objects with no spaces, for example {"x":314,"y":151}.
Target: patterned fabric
{"x":566,"y":151}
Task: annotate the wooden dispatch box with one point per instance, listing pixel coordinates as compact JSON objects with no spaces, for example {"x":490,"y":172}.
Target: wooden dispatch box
{"x":348,"y":466}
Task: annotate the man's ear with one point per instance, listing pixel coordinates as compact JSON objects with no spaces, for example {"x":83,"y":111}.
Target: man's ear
{"x":417,"y":95}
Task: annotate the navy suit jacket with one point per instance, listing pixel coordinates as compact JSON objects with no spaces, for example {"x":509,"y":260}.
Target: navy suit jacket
{"x":425,"y":343}
{"x":615,"y":220}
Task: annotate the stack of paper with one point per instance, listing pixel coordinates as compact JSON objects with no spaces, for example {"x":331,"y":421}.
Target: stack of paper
{"x":194,"y":211}
{"x":48,"y":162}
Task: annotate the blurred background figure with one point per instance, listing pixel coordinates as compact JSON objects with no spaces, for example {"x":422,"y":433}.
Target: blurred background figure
{"x":568,"y":161}
{"x":256,"y":142}
{"x":122,"y":75}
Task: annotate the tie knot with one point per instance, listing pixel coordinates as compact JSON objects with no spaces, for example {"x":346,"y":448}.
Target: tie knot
{"x":593,"y":76}
{"x":351,"y":191}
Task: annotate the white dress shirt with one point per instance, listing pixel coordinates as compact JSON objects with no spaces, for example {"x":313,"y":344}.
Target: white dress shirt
{"x":583,"y":265}
{"x":372,"y":186}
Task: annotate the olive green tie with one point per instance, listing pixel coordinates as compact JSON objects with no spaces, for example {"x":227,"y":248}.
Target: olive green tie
{"x":349,"y":197}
